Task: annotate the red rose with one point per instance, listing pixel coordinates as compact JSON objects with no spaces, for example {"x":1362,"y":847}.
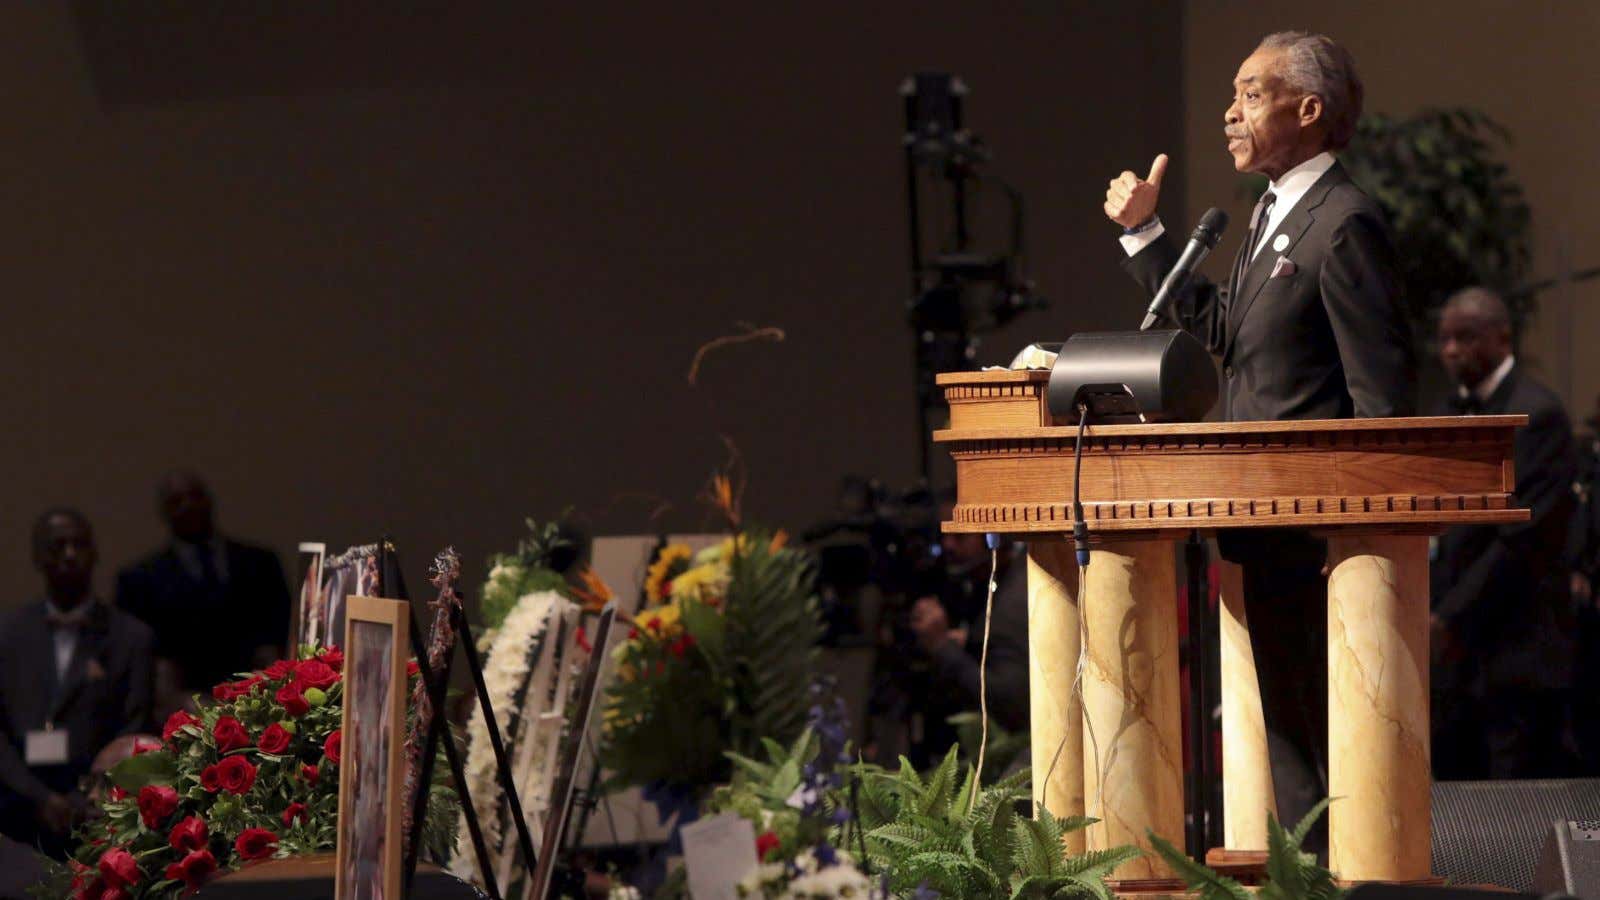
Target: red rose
{"x":333,"y":745}
{"x":208,"y":779}
{"x":175,"y":723}
{"x":279,"y":670}
{"x":117,"y":793}
{"x":309,"y":773}
{"x":116,"y":893}
{"x":94,"y":890}
{"x":274,"y":740}
{"x":315,"y":673}
{"x":334,"y":657}
{"x":766,"y":843}
{"x":256,"y":843}
{"x":233,"y":690}
{"x":119,"y":868}
{"x":230,"y":734}
{"x":412,"y":669}
{"x":235,"y":775}
{"x":293,"y":700}
{"x":156,"y":803}
{"x":145,"y":745}
{"x":193,"y":868}
{"x":295,"y":811}
{"x":190,"y":834}
{"x":682,"y":645}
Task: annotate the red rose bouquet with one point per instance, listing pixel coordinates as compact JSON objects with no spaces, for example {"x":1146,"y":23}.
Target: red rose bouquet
{"x":252,"y":776}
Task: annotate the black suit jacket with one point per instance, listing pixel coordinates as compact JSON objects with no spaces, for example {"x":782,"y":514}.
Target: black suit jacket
{"x":1501,"y":590}
{"x":211,"y":633}
{"x":1329,"y":341}
{"x":106,"y":693}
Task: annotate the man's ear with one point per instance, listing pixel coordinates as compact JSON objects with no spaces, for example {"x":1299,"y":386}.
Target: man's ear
{"x":1310,"y":110}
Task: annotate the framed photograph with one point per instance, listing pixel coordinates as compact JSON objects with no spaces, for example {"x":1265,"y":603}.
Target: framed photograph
{"x":371,"y":772}
{"x":310,"y":618}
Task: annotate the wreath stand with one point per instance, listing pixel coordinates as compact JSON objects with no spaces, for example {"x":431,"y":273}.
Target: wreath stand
{"x":389,"y":571}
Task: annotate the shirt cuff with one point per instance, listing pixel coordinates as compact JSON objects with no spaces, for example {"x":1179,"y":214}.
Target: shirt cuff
{"x":1133,"y":243}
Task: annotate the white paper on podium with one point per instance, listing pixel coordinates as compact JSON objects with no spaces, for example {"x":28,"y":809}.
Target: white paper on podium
{"x":720,"y":852}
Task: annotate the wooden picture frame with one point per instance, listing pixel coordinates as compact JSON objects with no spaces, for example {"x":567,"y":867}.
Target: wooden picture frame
{"x":371,"y":767}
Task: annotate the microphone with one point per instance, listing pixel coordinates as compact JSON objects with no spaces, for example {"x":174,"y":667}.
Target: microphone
{"x":1200,"y":243}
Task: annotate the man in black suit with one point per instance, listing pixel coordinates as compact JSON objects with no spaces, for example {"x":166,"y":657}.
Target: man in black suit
{"x":955,"y":651}
{"x":1505,"y":629}
{"x":1309,"y":326}
{"x":74,"y":675}
{"x":218,"y":606}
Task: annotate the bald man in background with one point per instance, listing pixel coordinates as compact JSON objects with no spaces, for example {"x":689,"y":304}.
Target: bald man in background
{"x":1504,"y":627}
{"x":218,"y":606}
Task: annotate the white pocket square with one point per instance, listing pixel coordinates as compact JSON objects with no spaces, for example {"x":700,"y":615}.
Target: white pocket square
{"x":1284,"y":267}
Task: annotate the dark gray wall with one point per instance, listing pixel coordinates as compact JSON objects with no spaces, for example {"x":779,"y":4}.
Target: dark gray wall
{"x":430,"y":274}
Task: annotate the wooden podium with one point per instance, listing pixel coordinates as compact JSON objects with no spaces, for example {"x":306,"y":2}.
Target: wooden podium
{"x":1376,"y":488}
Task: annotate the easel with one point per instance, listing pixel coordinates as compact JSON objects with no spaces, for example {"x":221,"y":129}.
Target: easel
{"x":436,"y":729}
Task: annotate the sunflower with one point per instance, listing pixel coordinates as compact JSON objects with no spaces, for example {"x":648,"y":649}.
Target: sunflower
{"x":672,"y":560}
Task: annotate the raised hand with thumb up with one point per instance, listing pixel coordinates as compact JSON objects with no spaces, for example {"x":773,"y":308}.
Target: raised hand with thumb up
{"x":1130,"y":200}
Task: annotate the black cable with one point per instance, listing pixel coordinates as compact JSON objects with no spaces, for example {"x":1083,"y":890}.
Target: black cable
{"x":1080,"y":528}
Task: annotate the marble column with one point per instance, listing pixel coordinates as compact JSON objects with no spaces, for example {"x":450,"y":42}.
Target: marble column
{"x":1055,"y":715}
{"x":1247,"y":795}
{"x":1133,"y":731}
{"x":1378,"y":757}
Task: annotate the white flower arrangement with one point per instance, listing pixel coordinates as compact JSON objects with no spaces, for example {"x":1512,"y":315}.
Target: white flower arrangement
{"x":808,"y":879}
{"x":526,"y":674}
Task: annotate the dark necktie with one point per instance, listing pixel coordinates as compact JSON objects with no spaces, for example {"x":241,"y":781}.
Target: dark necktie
{"x":208,"y":567}
{"x":1258,"y":228}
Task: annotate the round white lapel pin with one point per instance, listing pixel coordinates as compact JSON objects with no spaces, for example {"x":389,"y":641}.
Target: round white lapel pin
{"x":1280,"y":243}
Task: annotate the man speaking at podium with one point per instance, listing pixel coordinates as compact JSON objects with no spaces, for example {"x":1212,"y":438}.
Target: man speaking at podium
{"x":1309,"y":326}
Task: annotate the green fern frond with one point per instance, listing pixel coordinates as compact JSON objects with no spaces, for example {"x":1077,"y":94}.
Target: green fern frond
{"x":1198,"y":877}
{"x":937,"y":799}
{"x":1304,"y":826}
{"x":1285,"y":877}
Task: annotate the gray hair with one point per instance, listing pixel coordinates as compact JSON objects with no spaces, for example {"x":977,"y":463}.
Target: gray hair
{"x":1315,"y":64}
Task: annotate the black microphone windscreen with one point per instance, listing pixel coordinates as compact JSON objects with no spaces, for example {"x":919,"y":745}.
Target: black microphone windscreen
{"x":1211,"y":225}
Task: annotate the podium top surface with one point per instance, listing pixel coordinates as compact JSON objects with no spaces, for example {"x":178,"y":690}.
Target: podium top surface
{"x":1014,"y":468}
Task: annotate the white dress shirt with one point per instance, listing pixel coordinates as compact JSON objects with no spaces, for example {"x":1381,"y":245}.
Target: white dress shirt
{"x":65,"y":638}
{"x":1290,"y":187}
{"x":1491,"y":382}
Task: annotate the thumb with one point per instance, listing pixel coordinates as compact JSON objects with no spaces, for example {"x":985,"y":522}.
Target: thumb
{"x":1158,"y":170}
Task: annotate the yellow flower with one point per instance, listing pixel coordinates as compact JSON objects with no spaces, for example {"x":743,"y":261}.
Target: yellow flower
{"x":703,"y":583}
{"x":672,"y":559}
{"x":664,"y":621}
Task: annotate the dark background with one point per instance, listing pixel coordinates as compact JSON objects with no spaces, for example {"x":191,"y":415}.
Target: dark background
{"x":431,"y":271}
{"x":429,"y":268}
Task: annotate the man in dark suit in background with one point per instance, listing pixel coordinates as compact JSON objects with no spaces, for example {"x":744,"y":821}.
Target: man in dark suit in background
{"x":74,"y":675}
{"x":1309,"y":326}
{"x":218,"y":606}
{"x":949,"y":631}
{"x":1504,"y":628}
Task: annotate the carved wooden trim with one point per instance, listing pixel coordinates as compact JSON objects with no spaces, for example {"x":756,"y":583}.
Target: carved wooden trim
{"x":962,"y":446}
{"x":1265,"y":512}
